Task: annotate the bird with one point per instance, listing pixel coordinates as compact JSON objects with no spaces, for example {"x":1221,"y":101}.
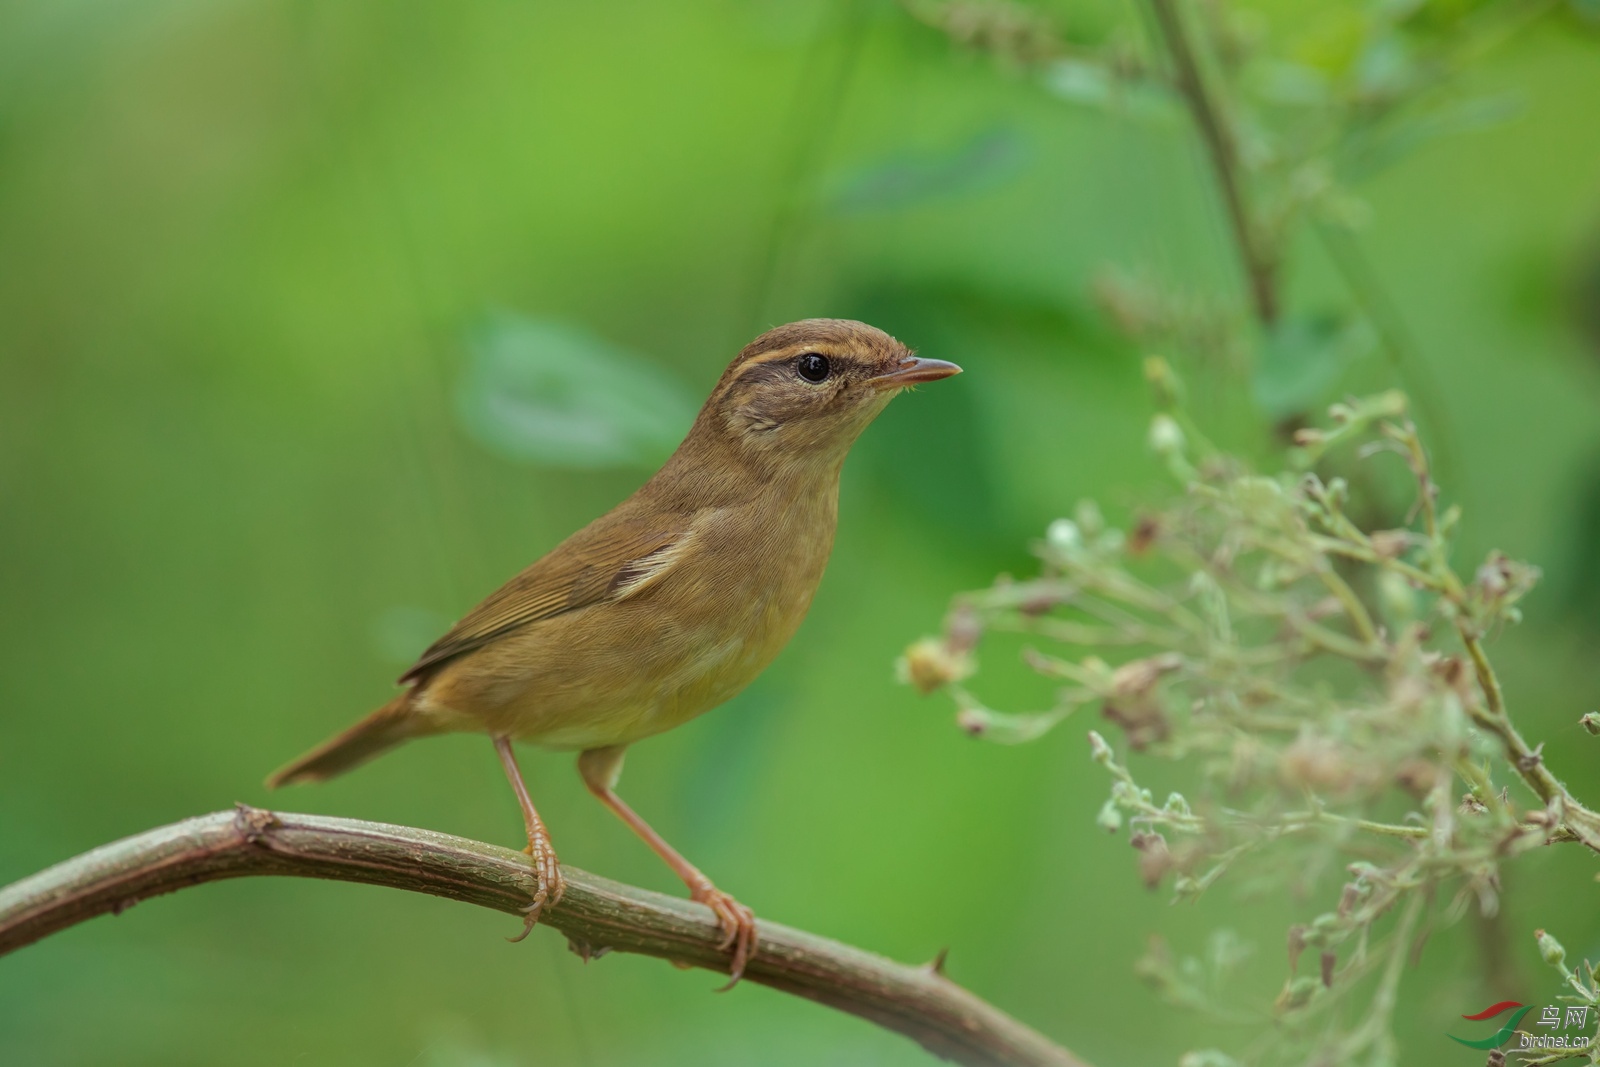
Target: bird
{"x":664,"y":607}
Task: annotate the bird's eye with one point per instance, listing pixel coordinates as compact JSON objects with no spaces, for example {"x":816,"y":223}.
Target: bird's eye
{"x":812,"y":367}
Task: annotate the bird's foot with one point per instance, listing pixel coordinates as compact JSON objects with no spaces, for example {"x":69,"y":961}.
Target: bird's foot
{"x":547,"y":870}
{"x":738,"y":928}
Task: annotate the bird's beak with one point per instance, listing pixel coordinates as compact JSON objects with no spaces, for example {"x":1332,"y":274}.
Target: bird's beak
{"x":914,"y":369}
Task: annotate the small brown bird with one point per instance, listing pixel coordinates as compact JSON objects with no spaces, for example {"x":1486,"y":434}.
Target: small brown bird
{"x":668,"y":605}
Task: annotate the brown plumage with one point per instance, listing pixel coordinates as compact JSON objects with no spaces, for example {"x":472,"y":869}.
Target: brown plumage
{"x":670,"y":603}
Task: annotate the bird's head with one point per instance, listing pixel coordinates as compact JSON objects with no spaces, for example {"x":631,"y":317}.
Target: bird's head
{"x":804,"y":392}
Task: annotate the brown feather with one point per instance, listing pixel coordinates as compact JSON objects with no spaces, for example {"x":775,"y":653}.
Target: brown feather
{"x":602,"y":561}
{"x":378,"y":732}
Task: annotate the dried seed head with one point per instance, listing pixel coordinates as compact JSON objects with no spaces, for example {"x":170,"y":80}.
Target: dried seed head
{"x":1155,"y":859}
{"x":1317,"y":763}
{"x":1390,"y":544}
{"x":1145,"y":532}
{"x":963,"y":630}
{"x":1417,"y":777}
{"x":1144,"y":722}
{"x":1297,"y":945}
{"x":930,"y":664}
{"x":1035,"y":606}
{"x":1138,"y":677}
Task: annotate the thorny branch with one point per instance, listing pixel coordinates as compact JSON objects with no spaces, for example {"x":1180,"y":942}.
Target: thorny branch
{"x":596,"y":916}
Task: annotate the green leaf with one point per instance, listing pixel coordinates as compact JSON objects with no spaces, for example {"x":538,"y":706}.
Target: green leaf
{"x":987,"y":159}
{"x":1080,"y":82}
{"x":1302,"y":358}
{"x":1391,"y":143}
{"x":1293,"y":84}
{"x":1092,"y":84}
{"x":543,"y":391}
{"x":1385,"y":67}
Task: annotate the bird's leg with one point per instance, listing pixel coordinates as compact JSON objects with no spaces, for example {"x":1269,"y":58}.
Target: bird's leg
{"x":545,"y":867}
{"x":601,"y":767}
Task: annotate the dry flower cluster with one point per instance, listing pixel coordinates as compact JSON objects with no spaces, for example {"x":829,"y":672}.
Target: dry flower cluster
{"x":1325,"y":685}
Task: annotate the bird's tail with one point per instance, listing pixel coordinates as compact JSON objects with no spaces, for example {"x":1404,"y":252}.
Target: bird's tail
{"x":391,"y":724}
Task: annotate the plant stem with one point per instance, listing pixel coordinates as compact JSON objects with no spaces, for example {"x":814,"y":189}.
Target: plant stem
{"x":595,"y":915}
{"x":1345,"y":253}
{"x":1576,"y":818}
{"x":1259,"y":267}
{"x":1383,"y":829}
{"x":1376,"y":1031}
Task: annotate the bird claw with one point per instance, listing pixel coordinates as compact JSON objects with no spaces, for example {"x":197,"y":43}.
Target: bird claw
{"x":738,"y":929}
{"x":552,"y":886}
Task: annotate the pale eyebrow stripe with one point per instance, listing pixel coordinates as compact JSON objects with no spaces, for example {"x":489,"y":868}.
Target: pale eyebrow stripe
{"x":763,"y":363}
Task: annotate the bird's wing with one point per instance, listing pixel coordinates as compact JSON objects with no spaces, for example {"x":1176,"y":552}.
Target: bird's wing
{"x":613,"y":558}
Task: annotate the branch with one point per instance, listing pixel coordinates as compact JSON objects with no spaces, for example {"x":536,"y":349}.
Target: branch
{"x":1259,"y":267}
{"x":1574,"y":821}
{"x":596,"y":915}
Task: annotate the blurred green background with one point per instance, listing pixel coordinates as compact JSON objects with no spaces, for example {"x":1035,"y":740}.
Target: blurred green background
{"x":291,"y":297}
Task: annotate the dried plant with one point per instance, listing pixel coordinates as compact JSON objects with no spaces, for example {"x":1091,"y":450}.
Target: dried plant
{"x":1325,"y":684}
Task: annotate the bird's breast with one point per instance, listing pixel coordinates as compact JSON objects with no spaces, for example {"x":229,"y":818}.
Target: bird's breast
{"x":743,"y":594}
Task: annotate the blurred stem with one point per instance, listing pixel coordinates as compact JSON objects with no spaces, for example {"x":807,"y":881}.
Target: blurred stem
{"x":1348,"y":258}
{"x":1351,"y":603}
{"x":1295,"y":819}
{"x":1258,"y":261}
{"x":1501,"y":970}
{"x":1375,"y":1032}
{"x":596,"y":915}
{"x":824,"y":83}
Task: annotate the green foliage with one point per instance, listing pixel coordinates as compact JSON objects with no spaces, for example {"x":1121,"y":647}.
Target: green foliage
{"x":553,"y":393}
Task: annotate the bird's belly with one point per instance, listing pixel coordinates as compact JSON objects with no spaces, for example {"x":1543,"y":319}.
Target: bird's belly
{"x":653,"y":704}
{"x":614,"y":673}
